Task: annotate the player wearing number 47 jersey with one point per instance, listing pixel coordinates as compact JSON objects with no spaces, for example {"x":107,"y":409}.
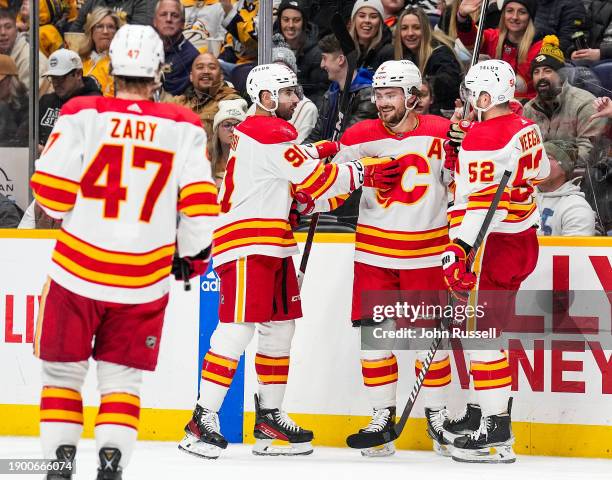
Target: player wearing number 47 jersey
{"x":501,"y":141}
{"x":253,"y":245}
{"x":116,"y":171}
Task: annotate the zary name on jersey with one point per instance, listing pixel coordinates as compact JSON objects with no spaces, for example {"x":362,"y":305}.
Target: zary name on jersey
{"x":138,"y":130}
{"x":530,"y":139}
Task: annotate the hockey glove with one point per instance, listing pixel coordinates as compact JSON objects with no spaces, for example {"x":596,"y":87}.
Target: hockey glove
{"x":459,"y":280}
{"x":189,"y":267}
{"x":458,"y":130}
{"x":382,"y":175}
{"x":326,"y":148}
{"x":451,"y":156}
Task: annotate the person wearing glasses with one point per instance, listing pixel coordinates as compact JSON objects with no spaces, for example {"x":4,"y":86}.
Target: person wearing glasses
{"x":100,"y":28}
{"x":230,"y":114}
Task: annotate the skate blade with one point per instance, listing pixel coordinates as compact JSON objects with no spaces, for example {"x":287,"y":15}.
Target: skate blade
{"x":265,"y":447}
{"x":495,"y":454}
{"x":194,"y":446}
{"x":442,"y":450}
{"x":385,"y":450}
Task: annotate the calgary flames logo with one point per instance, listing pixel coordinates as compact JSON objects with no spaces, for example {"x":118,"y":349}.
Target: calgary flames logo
{"x":413,"y":185}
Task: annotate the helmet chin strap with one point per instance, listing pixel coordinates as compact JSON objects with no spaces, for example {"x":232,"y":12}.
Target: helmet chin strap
{"x":408,"y":110}
{"x":270,"y":110}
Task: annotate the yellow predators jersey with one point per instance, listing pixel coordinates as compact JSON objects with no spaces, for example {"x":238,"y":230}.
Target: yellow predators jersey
{"x":489,"y":148}
{"x":405,"y":227}
{"x":118,"y":172}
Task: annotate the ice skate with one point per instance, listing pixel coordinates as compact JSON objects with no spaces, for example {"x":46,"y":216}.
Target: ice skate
{"x":464,"y":424}
{"x":109,"y":468}
{"x":274,"y":424}
{"x":203,"y":436}
{"x":435,"y":429}
{"x":64,"y":453}
{"x":491,"y":443}
{"x":383,"y":420}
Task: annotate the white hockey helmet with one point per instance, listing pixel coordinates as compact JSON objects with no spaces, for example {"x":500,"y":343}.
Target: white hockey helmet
{"x":136,"y":51}
{"x":271,"y":77}
{"x":397,"y":73}
{"x":494,"y":77}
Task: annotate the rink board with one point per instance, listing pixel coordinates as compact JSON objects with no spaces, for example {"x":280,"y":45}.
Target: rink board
{"x":561,"y":408}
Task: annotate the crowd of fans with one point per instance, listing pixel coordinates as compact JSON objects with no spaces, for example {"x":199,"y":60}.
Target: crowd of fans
{"x":561,"y":51}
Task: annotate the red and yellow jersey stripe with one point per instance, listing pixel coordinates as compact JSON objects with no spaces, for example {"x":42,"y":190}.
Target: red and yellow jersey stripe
{"x":53,"y":192}
{"x":255,"y":231}
{"x":198,"y":200}
{"x":106,"y":267}
{"x":398,"y":244}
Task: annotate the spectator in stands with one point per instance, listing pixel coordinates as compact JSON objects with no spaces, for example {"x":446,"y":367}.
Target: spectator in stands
{"x":360,"y":106}
{"x":426,"y":99}
{"x":205,"y":16}
{"x":169,"y":21}
{"x":448,"y":20}
{"x":372,"y":37}
{"x":322,"y":11}
{"x":514,"y":40}
{"x":66,"y":75}
{"x":16,"y":46}
{"x":13,"y":106}
{"x":432,"y":52}
{"x":239,"y":54}
{"x":599,"y":13}
{"x":430,"y":7}
{"x":392,"y":11}
{"x":603,"y":108}
{"x":128,"y":11}
{"x":305,"y":115}
{"x":230,"y":114}
{"x":10,"y":213}
{"x":302,"y":36}
{"x":562,"y":18}
{"x":562,"y":111}
{"x":100,"y":28}
{"x":205,"y":90}
{"x":562,"y":205}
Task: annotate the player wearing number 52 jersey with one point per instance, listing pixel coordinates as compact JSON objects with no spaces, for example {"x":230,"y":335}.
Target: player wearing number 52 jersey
{"x":117,"y":171}
{"x":501,"y":141}
{"x":401,"y":233}
{"x":253,"y":245}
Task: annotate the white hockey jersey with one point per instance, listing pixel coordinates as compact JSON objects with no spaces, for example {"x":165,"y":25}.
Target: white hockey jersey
{"x":490,"y":147}
{"x":405,"y":227}
{"x":255,"y":197}
{"x":117,"y":172}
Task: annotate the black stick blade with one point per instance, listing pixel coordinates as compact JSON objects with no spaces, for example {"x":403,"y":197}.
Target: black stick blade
{"x":338,"y":26}
{"x":370,"y":439}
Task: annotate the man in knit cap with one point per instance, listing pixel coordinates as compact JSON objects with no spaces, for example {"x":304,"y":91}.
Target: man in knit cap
{"x":563,"y":208}
{"x":561,"y":110}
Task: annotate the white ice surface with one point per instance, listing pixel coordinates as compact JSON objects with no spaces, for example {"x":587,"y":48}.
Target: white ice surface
{"x":162,"y":460}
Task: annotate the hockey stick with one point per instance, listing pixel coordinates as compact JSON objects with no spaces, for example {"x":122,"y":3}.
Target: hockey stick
{"x":476,"y":52}
{"x":374,"y":439}
{"x":350,"y":52}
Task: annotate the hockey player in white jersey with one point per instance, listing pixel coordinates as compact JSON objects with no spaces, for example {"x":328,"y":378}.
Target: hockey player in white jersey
{"x":500,"y":141}
{"x":253,"y":245}
{"x":116,"y":171}
{"x":400,"y":235}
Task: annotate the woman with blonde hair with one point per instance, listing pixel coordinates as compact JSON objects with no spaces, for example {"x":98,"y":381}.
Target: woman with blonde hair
{"x":431,"y":51}
{"x":371,"y":36}
{"x":100,"y":28}
{"x":513,"y":41}
{"x":230,"y":114}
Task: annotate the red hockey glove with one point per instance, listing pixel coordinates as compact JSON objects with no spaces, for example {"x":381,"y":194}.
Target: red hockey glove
{"x":458,"y":130}
{"x":326,"y":148}
{"x":190,"y":267}
{"x":456,"y":274}
{"x":382,"y":175}
{"x":451,"y":156}
{"x":302,"y":204}
{"x":294,"y":215}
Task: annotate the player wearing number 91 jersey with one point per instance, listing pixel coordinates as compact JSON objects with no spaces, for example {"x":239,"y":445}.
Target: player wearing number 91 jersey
{"x":501,"y":141}
{"x":117,"y":171}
